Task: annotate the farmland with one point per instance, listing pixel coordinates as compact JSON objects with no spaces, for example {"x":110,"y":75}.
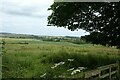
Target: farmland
{"x":37,"y":58}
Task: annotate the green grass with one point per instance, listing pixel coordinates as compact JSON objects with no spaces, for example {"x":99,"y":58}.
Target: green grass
{"x":37,"y":57}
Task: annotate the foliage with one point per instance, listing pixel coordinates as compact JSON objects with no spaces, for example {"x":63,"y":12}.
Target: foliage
{"x":102,"y":17}
{"x":96,"y":38}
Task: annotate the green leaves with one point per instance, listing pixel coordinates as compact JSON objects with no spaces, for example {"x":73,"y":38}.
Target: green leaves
{"x":93,"y":17}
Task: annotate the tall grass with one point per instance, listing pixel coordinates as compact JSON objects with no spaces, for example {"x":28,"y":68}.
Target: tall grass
{"x":90,"y":61}
{"x":37,"y":57}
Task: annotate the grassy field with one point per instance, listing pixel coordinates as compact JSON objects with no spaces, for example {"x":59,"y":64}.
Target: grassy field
{"x":39,"y":58}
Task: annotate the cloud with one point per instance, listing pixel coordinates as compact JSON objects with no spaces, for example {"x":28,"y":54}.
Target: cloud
{"x":24,"y":13}
{"x":31,"y":8}
{"x":30,"y":17}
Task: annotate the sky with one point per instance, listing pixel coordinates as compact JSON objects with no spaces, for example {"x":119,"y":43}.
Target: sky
{"x":30,"y":17}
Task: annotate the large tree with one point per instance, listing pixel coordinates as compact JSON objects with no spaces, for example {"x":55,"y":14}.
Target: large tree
{"x":100,"y":17}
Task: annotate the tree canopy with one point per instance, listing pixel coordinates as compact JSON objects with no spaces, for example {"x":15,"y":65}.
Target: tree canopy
{"x":102,"y":18}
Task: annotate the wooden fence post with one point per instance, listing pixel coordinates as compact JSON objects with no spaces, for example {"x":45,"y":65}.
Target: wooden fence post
{"x":99,"y":75}
{"x":118,"y":68}
{"x":109,"y":72}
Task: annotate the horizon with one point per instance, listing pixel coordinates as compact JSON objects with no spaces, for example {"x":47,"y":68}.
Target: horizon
{"x":36,"y":34}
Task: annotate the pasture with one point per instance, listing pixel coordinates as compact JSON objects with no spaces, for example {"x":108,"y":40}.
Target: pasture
{"x":37,"y":58}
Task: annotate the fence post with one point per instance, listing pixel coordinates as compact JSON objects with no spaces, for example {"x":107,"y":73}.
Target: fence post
{"x":118,"y":68}
{"x":109,"y":72}
{"x":99,"y":74}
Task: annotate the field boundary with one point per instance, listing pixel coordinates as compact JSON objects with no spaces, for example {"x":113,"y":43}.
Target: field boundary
{"x":104,"y":72}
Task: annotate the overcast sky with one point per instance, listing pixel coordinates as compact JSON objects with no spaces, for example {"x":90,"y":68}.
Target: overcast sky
{"x":30,"y":17}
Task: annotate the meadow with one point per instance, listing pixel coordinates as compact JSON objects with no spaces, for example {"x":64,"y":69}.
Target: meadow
{"x":40,"y":58}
